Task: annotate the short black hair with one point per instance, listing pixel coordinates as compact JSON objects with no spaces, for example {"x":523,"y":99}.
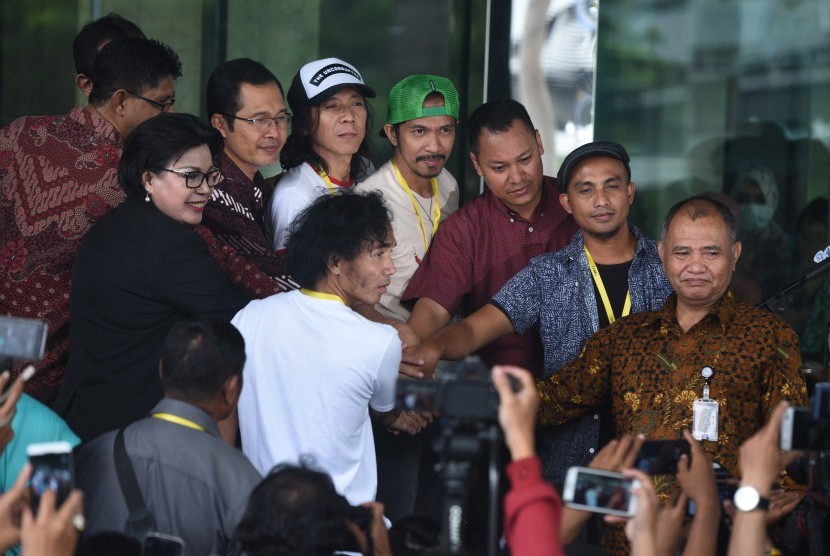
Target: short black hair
{"x":335,"y":228}
{"x":701,"y":206}
{"x":134,"y":64}
{"x":157,"y":142}
{"x":296,"y":510}
{"x":298,"y":148}
{"x":496,"y":116}
{"x":227,"y":78}
{"x":198,"y":356}
{"x":91,"y":37}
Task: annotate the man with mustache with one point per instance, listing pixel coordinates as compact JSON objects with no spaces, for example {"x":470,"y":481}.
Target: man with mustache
{"x":495,"y":235}
{"x":420,"y":192}
{"x":421,"y":124}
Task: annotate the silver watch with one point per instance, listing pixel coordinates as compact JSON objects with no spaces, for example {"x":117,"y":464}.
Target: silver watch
{"x":748,"y":499}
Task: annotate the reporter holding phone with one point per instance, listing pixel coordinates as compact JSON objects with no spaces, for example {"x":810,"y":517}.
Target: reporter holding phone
{"x":141,"y":269}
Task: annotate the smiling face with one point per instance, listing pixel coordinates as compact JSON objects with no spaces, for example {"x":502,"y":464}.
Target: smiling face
{"x":341,"y":125}
{"x":699,"y":258}
{"x":511,"y":164}
{"x":168,"y":192}
{"x":249,"y":147}
{"x":423,"y":145}
{"x":366,"y":277}
{"x":599,"y":196}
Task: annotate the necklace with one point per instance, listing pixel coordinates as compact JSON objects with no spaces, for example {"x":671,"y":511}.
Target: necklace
{"x":426,"y":212}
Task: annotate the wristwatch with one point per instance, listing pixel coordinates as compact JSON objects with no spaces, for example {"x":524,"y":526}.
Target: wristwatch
{"x":748,"y":499}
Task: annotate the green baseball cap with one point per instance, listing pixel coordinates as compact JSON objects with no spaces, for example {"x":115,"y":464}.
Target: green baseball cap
{"x":406,"y":99}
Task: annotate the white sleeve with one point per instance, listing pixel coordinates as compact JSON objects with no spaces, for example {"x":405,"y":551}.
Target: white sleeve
{"x":383,"y":399}
{"x":286,"y":204}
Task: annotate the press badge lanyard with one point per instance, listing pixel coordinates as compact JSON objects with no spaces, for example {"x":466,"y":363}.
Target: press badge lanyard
{"x":178,"y":420}
{"x":705,"y":411}
{"x":436,"y":208}
{"x":604,"y":294}
{"x":325,"y":177}
{"x":321,"y":295}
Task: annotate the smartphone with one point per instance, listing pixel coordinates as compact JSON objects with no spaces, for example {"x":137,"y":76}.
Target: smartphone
{"x":598,"y":491}
{"x":22,"y":338}
{"x":795,"y":428}
{"x":159,"y":544}
{"x":52,"y":468}
{"x":660,"y":457}
{"x":821,"y":402}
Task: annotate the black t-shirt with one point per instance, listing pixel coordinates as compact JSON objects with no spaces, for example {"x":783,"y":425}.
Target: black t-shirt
{"x":615,"y":280}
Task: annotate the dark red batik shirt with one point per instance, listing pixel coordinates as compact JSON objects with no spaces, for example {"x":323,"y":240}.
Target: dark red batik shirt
{"x":478,"y":249}
{"x":58,"y":175}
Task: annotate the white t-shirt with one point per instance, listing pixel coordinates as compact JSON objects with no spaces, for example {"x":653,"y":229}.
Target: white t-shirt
{"x":410,"y":251}
{"x":313,"y":369}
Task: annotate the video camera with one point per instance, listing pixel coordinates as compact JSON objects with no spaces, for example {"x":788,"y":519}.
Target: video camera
{"x":464,"y":393}
{"x":808,"y":428}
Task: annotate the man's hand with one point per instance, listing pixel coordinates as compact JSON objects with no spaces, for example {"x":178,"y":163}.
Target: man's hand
{"x":380,"y":535}
{"x":12,"y":503}
{"x":9,"y":406}
{"x":410,"y":422}
{"x":420,"y":361}
{"x":53,"y":531}
{"x":614,"y":456}
{"x":760,"y":459}
{"x":517,"y":410}
{"x":697,"y":476}
{"x":641,"y":529}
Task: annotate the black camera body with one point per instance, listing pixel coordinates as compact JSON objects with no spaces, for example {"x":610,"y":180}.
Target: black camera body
{"x":464,"y":392}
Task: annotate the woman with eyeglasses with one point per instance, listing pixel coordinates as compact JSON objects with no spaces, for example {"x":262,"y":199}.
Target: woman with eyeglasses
{"x":141,"y":269}
{"x":327,"y":151}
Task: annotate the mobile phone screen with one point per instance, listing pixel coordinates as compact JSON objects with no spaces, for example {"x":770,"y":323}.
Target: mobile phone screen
{"x":22,"y":338}
{"x":660,"y":457}
{"x":597,"y":491}
{"x":51,"y":471}
{"x":795,"y":429}
{"x":156,"y":544}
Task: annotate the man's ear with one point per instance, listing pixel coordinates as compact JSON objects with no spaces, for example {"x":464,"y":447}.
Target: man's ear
{"x":539,"y":142}
{"x":474,"y":158}
{"x":118,"y":102}
{"x":660,"y":251}
{"x":84,"y":83}
{"x":231,"y":390}
{"x":736,"y":252}
{"x":565,"y":201}
{"x":220,"y":123}
{"x":389,"y":130}
{"x":333,"y":265}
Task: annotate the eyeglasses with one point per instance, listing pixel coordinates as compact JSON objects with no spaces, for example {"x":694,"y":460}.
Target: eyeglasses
{"x":163,"y":106}
{"x":282,"y":121}
{"x":194,"y":180}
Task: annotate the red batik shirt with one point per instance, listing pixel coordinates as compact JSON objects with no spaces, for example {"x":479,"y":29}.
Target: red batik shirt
{"x":58,"y":175}
{"x":478,"y":249}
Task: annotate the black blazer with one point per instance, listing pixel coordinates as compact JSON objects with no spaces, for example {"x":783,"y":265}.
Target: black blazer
{"x":137,"y":273}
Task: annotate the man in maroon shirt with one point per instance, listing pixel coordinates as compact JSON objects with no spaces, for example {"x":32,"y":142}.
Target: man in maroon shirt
{"x":495,"y":235}
{"x":58,"y":175}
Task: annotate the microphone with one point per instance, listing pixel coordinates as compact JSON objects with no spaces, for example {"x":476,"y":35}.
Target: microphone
{"x":822,"y":260}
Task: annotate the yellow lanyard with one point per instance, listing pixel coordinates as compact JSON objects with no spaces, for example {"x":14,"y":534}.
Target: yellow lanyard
{"x":436,"y":209}
{"x":603,"y":294}
{"x":321,"y":295}
{"x":178,"y":420}
{"x":325,"y":177}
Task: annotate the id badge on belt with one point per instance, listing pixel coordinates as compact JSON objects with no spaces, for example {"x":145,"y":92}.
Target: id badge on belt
{"x":705,"y":412}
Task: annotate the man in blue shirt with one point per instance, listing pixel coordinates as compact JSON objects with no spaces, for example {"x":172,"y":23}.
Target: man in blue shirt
{"x":608,"y":270}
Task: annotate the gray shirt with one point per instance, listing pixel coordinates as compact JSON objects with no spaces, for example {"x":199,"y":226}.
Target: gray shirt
{"x":194,"y":484}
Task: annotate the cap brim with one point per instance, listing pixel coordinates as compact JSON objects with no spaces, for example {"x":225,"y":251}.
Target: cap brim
{"x":331,"y":91}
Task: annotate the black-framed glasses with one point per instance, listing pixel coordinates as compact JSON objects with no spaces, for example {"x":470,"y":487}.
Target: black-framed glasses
{"x":163,"y":106}
{"x":282,"y":121}
{"x":194,"y":180}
